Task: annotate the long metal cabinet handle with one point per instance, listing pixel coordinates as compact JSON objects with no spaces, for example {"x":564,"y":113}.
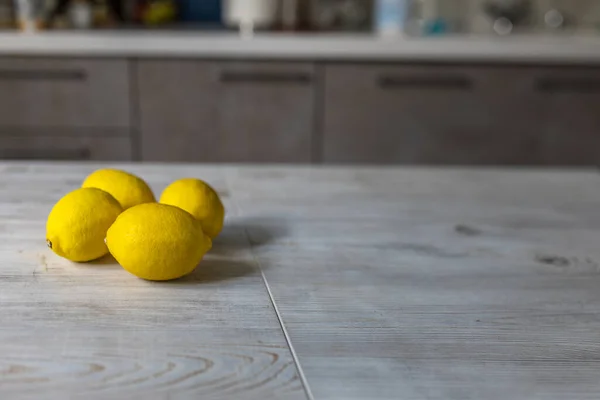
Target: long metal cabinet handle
{"x":297,"y":78}
{"x":42,"y":75}
{"x":45,"y":154}
{"x":440,"y":82}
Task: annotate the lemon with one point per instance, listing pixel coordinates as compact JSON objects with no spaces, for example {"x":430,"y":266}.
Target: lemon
{"x":128,"y":189}
{"x":200,"y":200}
{"x":157,"y":242}
{"x":78,"y":222}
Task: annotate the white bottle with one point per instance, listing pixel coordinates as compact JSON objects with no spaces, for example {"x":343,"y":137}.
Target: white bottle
{"x":250,"y":14}
{"x":80,"y":13}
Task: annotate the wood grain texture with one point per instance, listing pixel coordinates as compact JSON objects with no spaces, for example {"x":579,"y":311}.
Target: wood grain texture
{"x":92,"y":331}
{"x":433,"y":284}
{"x":391,"y":284}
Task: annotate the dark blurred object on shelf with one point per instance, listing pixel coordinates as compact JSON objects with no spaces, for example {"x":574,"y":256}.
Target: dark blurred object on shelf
{"x":111,"y":11}
{"x":206,"y":11}
{"x":6,"y":14}
{"x":159,"y":12}
{"x":115,"y":12}
{"x":294,"y":15}
{"x":342,"y":15}
{"x":289,"y":14}
{"x":508,"y":15}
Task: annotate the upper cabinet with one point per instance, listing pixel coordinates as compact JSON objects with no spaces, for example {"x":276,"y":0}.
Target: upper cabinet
{"x":70,"y":93}
{"x":413,"y":114}
{"x":226,"y":111}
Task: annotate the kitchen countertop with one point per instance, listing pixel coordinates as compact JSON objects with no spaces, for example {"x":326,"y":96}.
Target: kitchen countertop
{"x":326,"y":283}
{"x":334,"y":47}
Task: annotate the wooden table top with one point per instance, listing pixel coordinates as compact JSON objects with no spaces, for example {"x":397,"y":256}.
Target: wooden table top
{"x":327,"y":283}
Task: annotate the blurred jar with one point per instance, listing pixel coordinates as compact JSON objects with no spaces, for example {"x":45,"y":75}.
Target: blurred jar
{"x":437,"y":17}
{"x":29,"y":14}
{"x":250,"y":14}
{"x":342,"y":15}
{"x":81,"y":14}
{"x":207,"y":11}
{"x":390,"y":16}
{"x":159,"y":12}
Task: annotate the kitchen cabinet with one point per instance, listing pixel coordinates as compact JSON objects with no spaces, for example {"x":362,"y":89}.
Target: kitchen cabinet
{"x":73,"y":93}
{"x":571,"y":122}
{"x":298,"y":112}
{"x":203,"y":111}
{"x":431,"y":114}
{"x":74,"y":146}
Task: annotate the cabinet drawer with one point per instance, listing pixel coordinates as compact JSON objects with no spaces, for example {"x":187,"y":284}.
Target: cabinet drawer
{"x":77,"y":147}
{"x":429,"y":115}
{"x":64,"y":93}
{"x":226,"y":111}
{"x":570,"y":125}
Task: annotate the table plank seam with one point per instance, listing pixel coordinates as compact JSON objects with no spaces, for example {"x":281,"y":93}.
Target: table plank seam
{"x":286,"y":335}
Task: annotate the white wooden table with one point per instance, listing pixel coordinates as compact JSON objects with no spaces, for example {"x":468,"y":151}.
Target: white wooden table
{"x":326,"y":283}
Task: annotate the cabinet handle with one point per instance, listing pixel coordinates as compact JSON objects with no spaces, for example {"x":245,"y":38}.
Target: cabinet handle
{"x":46,"y":154}
{"x":448,"y":82}
{"x":567,"y":85}
{"x":294,"y":78}
{"x":42,"y":75}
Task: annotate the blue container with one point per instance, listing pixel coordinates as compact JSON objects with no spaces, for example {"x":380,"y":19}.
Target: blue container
{"x":208,"y":11}
{"x":390,"y":16}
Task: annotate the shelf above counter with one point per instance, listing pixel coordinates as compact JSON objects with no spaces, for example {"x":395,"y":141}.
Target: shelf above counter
{"x":317,"y":47}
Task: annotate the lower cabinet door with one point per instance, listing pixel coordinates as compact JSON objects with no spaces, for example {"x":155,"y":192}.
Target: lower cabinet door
{"x":430,"y":114}
{"x":204,"y":111}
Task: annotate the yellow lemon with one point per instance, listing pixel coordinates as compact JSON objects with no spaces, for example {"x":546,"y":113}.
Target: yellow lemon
{"x":77,"y":224}
{"x":128,"y":189}
{"x":157,"y":242}
{"x":200,"y":200}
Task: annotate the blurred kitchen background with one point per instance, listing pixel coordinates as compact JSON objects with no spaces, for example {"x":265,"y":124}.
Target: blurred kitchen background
{"x":458,"y":82}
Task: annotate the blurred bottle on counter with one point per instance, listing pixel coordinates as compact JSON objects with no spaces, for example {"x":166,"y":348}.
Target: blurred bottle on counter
{"x":81,"y":14}
{"x":29,"y":15}
{"x":434,"y":17}
{"x":341,"y":15}
{"x":434,"y":21}
{"x":200,"y":11}
{"x":390,"y":16}
{"x":159,"y":12}
{"x":250,"y":15}
{"x":149,"y":12}
{"x":294,"y":15}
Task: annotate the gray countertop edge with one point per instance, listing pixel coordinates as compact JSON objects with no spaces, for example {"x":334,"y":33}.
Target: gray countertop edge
{"x":328,"y":47}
